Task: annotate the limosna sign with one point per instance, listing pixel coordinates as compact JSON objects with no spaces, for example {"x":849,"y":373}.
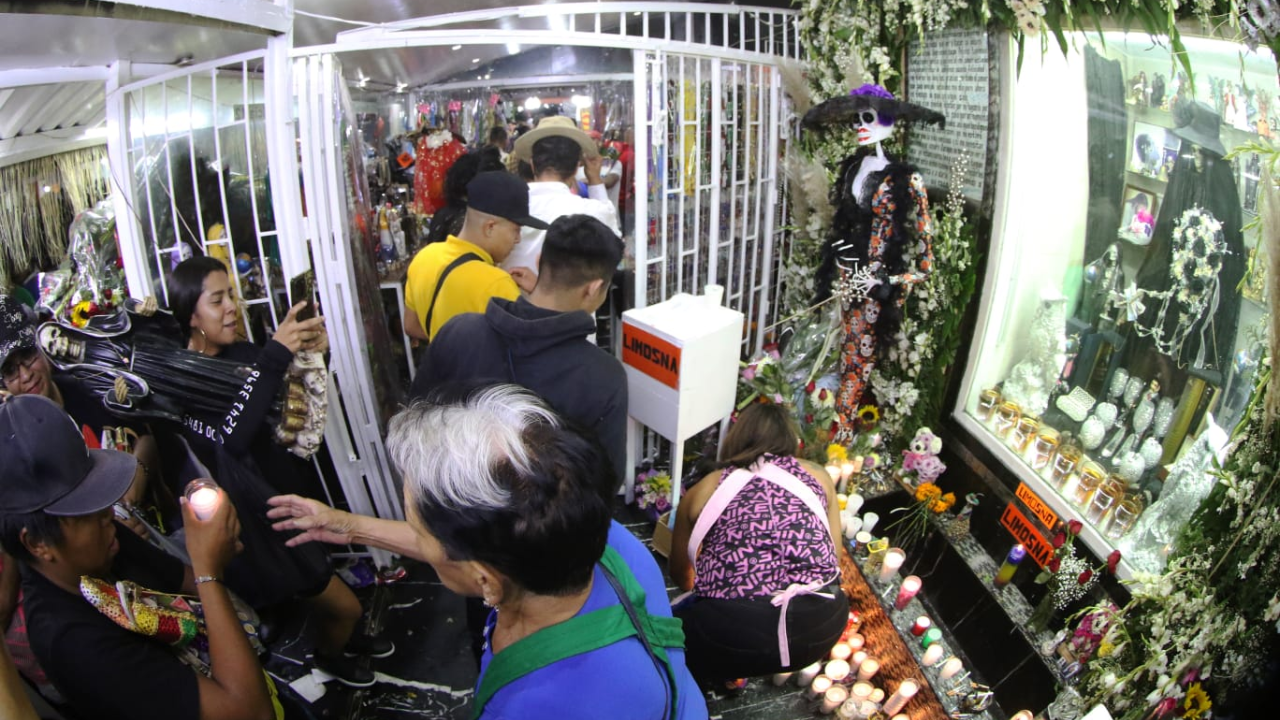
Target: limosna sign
{"x":651,"y":355}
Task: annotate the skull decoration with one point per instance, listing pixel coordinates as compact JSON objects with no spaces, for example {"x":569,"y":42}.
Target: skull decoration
{"x":866,"y":345}
{"x":872,"y":312}
{"x":873,"y":128}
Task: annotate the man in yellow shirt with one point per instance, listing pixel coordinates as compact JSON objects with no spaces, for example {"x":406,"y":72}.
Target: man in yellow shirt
{"x":460,"y":275}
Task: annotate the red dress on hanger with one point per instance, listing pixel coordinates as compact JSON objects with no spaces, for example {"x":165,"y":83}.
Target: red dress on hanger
{"x":436,"y":153}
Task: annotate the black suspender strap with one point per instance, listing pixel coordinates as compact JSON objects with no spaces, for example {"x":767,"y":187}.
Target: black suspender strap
{"x":431,"y":309}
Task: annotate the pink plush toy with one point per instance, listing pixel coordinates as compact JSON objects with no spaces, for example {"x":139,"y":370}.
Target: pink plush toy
{"x":921,"y":456}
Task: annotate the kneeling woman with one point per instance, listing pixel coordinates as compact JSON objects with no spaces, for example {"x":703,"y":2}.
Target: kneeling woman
{"x":509,"y":506}
{"x":757,"y":544}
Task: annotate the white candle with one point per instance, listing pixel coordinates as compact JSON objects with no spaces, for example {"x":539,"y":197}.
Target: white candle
{"x":1022,"y":715}
{"x":951,"y":668}
{"x":846,"y":471}
{"x":202,"y":496}
{"x":869,"y":521}
{"x":820,"y":685}
{"x":834,"y":697}
{"x":877,"y":696}
{"x":932,"y":655}
{"x":868,"y":669}
{"x":862,"y":691}
{"x":841,"y":651}
{"x":858,"y":657}
{"x":869,"y":709}
{"x":855,"y":642}
{"x":837,"y":670}
{"x":901,"y":716}
{"x":852,"y":527}
{"x":807,"y":674}
{"x":893,"y":560}
{"x":907,"y":689}
{"x":780,"y":679}
{"x":834,"y":472}
{"x":849,"y":710}
{"x":854,"y":504}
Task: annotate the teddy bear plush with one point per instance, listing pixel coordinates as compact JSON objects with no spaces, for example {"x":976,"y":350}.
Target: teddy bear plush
{"x":921,"y":457}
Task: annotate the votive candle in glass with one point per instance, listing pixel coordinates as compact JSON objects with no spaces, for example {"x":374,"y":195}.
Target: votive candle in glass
{"x":834,"y":698}
{"x":877,"y":697}
{"x":852,"y":528}
{"x":819,"y":686}
{"x":987,"y":402}
{"x":1007,"y":416}
{"x":1022,"y":715}
{"x":910,"y":586}
{"x":202,"y":496}
{"x":861,"y":539}
{"x":841,"y":651}
{"x":855,"y":641}
{"x":846,"y":471}
{"x":1024,"y":433}
{"x":837,"y":670}
{"x":1044,"y":448}
{"x":893,"y":560}
{"x":950,"y":668}
{"x":932,"y":655}
{"x":1064,"y":463}
{"x":922,"y":624}
{"x":858,"y":658}
{"x":907,"y":689}
{"x":861,"y":691}
{"x":1010,"y":565}
{"x":780,"y":679}
{"x":930,"y":638}
{"x":834,"y":472}
{"x":854,"y":504}
{"x":806,"y":675}
{"x":869,"y":521}
{"x":868,"y":669}
{"x":849,"y":710}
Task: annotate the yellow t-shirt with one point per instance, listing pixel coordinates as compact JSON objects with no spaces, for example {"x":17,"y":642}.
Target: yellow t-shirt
{"x":467,"y":289}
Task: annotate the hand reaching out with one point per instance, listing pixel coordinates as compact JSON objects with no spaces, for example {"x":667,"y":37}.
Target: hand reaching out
{"x":317,"y":521}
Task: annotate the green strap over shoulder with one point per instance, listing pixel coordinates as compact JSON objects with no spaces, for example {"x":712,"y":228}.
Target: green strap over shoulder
{"x":582,"y":634}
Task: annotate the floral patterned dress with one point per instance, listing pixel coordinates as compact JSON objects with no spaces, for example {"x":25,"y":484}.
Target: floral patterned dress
{"x":891,"y":236}
{"x":436,"y":153}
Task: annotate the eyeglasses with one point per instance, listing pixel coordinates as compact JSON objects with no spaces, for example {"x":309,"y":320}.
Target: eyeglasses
{"x":19,"y":361}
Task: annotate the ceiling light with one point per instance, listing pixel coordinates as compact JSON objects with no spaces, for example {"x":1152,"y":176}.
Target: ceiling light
{"x":400,"y":87}
{"x":532,"y":104}
{"x":513,"y":48}
{"x":475,"y":60}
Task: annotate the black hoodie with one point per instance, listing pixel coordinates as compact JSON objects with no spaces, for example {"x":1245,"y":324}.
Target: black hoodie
{"x":543,"y":350}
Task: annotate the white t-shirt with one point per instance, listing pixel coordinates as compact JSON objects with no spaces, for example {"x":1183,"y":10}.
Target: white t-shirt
{"x":607,"y":168}
{"x":548,"y":201}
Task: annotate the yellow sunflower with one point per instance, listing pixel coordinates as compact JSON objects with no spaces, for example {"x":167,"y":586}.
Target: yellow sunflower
{"x":80,"y":314}
{"x":869,"y":414}
{"x":836,"y":453}
{"x":1196,"y":703}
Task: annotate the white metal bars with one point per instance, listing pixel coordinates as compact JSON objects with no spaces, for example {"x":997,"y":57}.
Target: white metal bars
{"x":196,"y":158}
{"x":707,"y":182}
{"x":357,"y":449}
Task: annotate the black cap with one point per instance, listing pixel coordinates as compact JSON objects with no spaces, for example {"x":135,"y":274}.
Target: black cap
{"x":503,"y":195}
{"x":47,"y":467}
{"x":17,"y":331}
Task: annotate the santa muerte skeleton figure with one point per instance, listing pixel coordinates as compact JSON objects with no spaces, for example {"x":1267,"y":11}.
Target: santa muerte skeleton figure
{"x":881,"y":240}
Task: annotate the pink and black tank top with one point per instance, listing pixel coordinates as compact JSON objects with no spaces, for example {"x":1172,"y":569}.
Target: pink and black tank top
{"x":766,"y":540}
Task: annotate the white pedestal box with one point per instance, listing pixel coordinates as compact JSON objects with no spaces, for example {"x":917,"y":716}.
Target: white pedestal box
{"x":681,"y":358}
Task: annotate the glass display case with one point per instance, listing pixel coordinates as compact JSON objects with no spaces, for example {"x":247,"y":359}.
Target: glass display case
{"x":1120,"y":325}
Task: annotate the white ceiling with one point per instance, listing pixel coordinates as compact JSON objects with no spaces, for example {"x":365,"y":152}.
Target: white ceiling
{"x":67,"y":39}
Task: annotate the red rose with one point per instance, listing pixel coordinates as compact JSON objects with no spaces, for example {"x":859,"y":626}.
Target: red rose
{"x":1074,"y":527}
{"x":808,"y":419}
{"x":1113,"y":560}
{"x":810,"y":387}
{"x":822,"y":395}
{"x":1085,"y":577}
{"x":1059,"y":539}
{"x":1054,"y":564}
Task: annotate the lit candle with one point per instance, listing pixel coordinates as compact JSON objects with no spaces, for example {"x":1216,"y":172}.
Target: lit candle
{"x":901,"y":716}
{"x":834,"y":697}
{"x":932,"y":655}
{"x":931,"y":637}
{"x":950,"y":668}
{"x":841,"y":651}
{"x":202,"y":496}
{"x":861,"y":691}
{"x":834,"y":472}
{"x":820,"y":685}
{"x":907,"y":689}
{"x":923,"y":623}
{"x":858,"y":658}
{"x":863,"y":538}
{"x":858,"y":462}
{"x":877,"y":697}
{"x":868,"y":669}
{"x":1010,"y":565}
{"x":1022,"y":715}
{"x":869,"y":521}
{"x":893,"y":560}
{"x":781,"y":679}
{"x":855,"y":642}
{"x":852,"y":527}
{"x":837,"y":670}
{"x":854,"y":504}
{"x":846,"y":471}
{"x":910,"y":586}
{"x":806,"y":675}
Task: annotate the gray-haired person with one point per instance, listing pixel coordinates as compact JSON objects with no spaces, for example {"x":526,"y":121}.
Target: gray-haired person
{"x":508,"y":504}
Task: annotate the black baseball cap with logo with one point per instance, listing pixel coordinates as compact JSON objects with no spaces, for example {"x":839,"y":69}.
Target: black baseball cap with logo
{"x":503,"y":195}
{"x":47,"y":467}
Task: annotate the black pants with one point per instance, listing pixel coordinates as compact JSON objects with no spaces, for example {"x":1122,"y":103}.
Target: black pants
{"x":726,"y":639}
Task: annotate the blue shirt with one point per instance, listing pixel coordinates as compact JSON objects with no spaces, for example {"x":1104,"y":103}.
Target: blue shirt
{"x":618,"y":681}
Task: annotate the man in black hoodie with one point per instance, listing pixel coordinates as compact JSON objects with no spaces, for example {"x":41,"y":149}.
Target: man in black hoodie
{"x":540,"y":342}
